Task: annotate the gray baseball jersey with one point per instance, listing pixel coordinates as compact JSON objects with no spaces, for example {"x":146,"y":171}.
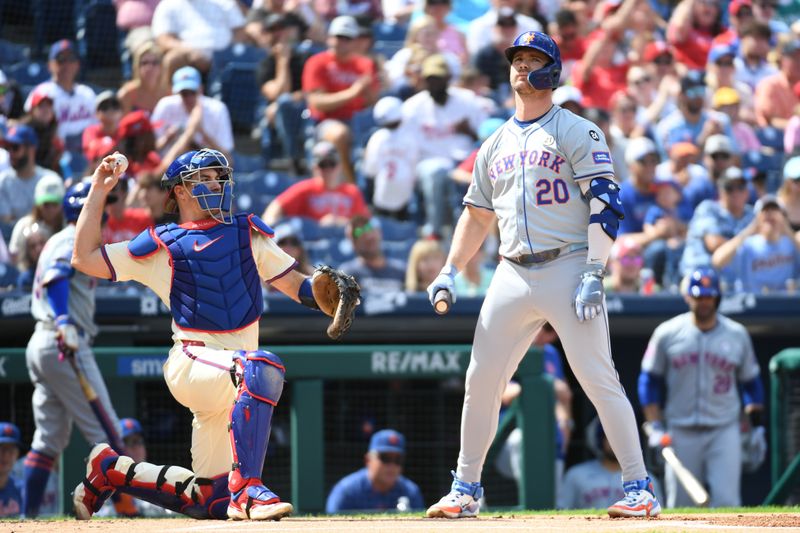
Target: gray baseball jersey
{"x":54,"y":263}
{"x":701,"y":370}
{"x":528,"y":173}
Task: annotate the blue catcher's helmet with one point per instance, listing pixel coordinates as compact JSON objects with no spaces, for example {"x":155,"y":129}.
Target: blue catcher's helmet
{"x":703,"y":282}
{"x":74,"y":199}
{"x":548,"y":76}
{"x":184,"y":170}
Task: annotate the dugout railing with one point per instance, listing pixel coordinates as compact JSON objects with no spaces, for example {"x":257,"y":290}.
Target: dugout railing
{"x":307,"y":370}
{"x":784,"y":446}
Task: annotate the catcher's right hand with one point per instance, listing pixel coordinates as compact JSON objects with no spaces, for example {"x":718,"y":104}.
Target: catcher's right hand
{"x":337,"y":295}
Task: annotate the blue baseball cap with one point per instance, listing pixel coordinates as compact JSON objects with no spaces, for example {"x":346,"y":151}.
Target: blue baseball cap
{"x":721,"y":50}
{"x":64,"y":45}
{"x":186,"y":79}
{"x":21,"y":134}
{"x":128,"y":427}
{"x":10,"y":434}
{"x":387,"y":440}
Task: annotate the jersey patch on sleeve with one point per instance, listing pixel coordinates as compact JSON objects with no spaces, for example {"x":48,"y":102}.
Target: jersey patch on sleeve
{"x":601,"y":157}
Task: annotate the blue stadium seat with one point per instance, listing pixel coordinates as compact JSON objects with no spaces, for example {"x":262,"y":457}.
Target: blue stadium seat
{"x":5,"y":230}
{"x":387,"y":48}
{"x":255,"y":190}
{"x":27,"y":73}
{"x":395,"y":230}
{"x":11,"y":53}
{"x":8,"y":275}
{"x":383,"y":31}
{"x":247,"y":163}
{"x":238,"y":88}
{"x":770,"y":137}
{"x":398,"y":249}
{"x":53,"y":20}
{"x":98,"y":43}
{"x":236,"y":53}
{"x":362,"y":125}
{"x":308,"y":228}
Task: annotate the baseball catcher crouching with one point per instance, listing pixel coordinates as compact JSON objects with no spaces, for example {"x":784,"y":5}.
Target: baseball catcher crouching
{"x":208,"y":270}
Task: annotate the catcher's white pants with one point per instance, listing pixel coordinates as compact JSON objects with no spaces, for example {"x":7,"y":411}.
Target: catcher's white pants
{"x":714,"y":456}
{"x":199,"y":378}
{"x":518,"y":302}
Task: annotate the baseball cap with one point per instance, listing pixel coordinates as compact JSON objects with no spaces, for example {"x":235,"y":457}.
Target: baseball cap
{"x":506,"y":17}
{"x":693,"y":79}
{"x":21,"y":134}
{"x":720,"y":51}
{"x":736,"y":5}
{"x":108,"y":98}
{"x":682,"y":149}
{"x":725,"y":96}
{"x":718,"y":143}
{"x":40,"y":94}
{"x":128,"y":427}
{"x":10,"y":434}
{"x":387,"y":440}
{"x":435,"y":65}
{"x":344,"y":26}
{"x":186,"y":79}
{"x":625,"y":246}
{"x":567,"y":93}
{"x":791,"y":170}
{"x":387,"y":110}
{"x":324,"y":151}
{"x":767,"y":201}
{"x":667,"y":181}
{"x":58,"y":47}
{"x":655,"y":49}
{"x":134,"y":123}
{"x":731,"y":174}
{"x":637,"y":148}
{"x":49,"y":189}
{"x":790,"y":47}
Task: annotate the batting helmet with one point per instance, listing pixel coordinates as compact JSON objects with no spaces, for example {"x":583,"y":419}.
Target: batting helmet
{"x":703,"y":282}
{"x":74,"y":199}
{"x":548,"y":76}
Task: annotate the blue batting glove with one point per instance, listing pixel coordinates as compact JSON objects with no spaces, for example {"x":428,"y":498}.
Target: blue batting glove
{"x":444,"y":281}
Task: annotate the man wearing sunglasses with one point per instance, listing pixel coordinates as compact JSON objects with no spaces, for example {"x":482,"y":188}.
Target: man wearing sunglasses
{"x":715,"y":221}
{"x":380,"y":485}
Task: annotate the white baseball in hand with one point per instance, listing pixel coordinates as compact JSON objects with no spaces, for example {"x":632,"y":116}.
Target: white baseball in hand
{"x":120,"y":164}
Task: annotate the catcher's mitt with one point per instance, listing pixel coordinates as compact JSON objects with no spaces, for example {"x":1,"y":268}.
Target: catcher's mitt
{"x":337,"y":295}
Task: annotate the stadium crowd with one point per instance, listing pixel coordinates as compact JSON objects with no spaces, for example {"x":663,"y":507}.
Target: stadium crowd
{"x":368,"y":116}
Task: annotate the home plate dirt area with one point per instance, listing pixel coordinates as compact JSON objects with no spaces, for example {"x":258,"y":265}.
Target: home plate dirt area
{"x":712,"y":522}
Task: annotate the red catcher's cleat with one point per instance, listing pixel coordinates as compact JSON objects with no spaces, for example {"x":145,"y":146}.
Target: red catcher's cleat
{"x":89,"y":496}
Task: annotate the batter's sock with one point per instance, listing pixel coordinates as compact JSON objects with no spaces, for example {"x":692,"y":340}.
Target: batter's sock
{"x":37,"y":471}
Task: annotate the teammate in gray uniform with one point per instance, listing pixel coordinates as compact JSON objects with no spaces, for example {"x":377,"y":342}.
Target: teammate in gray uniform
{"x":694,"y":366}
{"x":63,"y":306}
{"x":547,"y":176}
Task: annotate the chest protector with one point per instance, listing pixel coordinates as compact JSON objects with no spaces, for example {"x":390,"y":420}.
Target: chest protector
{"x":215,"y":283}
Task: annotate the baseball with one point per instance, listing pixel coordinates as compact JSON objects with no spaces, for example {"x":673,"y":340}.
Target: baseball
{"x":120,"y":163}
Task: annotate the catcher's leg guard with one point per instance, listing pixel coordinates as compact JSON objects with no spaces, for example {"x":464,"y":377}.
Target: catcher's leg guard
{"x":171,"y":487}
{"x":260,"y":387}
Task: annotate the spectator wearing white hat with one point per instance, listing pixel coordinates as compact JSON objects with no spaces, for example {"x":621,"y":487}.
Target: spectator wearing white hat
{"x":719,"y":155}
{"x":390,"y":160}
{"x":569,"y":98}
{"x":636,"y":194}
{"x":188,"y":110}
{"x":47,"y":212}
{"x":479,"y":31}
{"x":789,"y":193}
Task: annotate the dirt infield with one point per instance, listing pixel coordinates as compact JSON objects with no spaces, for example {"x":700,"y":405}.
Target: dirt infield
{"x":749,"y":522}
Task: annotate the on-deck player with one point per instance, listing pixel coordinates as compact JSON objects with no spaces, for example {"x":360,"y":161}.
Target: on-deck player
{"x":208,"y":270}
{"x":62,"y":302}
{"x":547,"y":176}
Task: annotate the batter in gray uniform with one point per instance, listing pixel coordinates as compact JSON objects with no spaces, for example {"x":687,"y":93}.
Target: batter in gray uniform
{"x":694,"y":366}
{"x":547,"y":176}
{"x":63,"y":306}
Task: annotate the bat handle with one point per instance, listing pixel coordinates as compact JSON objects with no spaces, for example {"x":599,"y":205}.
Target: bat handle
{"x":442,"y":301}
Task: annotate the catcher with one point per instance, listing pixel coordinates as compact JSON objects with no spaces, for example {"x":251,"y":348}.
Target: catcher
{"x":208,"y":271}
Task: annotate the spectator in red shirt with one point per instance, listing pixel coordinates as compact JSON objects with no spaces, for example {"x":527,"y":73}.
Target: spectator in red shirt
{"x":137,"y":140}
{"x":740,"y":15}
{"x":124,"y":223}
{"x":324,"y":197}
{"x":42,"y":118}
{"x":108,"y":110}
{"x":338,"y":83}
{"x":691,"y":29}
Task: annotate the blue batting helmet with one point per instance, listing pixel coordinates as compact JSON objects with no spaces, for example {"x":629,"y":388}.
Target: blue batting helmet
{"x":703,"y":282}
{"x":548,"y":76}
{"x":74,"y":199}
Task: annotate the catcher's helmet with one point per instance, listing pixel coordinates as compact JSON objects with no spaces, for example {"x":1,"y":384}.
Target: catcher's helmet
{"x":186,"y":166}
{"x":703,"y":282}
{"x":74,"y":199}
{"x":548,"y":76}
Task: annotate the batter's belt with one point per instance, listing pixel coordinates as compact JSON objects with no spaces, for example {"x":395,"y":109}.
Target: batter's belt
{"x":546,"y":256}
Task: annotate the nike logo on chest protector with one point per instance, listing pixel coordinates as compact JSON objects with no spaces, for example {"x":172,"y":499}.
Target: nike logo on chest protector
{"x":200,"y":247}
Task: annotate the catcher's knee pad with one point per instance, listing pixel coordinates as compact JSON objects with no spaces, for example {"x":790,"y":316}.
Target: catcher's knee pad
{"x":172,"y":487}
{"x":260,"y":388}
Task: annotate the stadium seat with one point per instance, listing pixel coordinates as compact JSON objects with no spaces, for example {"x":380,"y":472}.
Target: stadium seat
{"x":395,"y":230}
{"x":8,"y":276}
{"x":53,"y":20}
{"x":28,"y":74}
{"x":362,"y":125}
{"x":237,"y":53}
{"x":247,"y":163}
{"x":238,"y":88}
{"x":255,"y":190}
{"x":11,"y":53}
{"x":5,"y":230}
{"x":98,"y":43}
{"x":308,"y":228}
{"x":770,"y":137}
{"x":389,"y":32}
{"x":386,"y":48}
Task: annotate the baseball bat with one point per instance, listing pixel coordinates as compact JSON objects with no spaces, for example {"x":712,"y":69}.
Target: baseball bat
{"x":688,"y":481}
{"x":442,"y":301}
{"x":95,"y":403}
